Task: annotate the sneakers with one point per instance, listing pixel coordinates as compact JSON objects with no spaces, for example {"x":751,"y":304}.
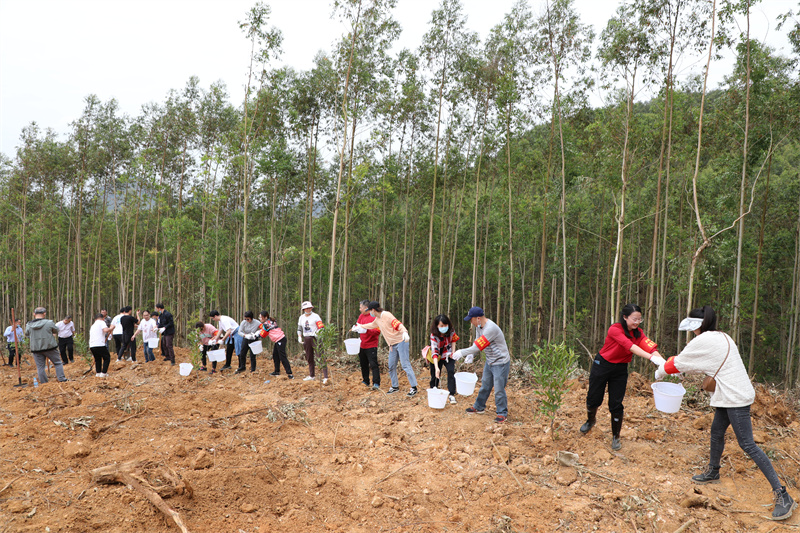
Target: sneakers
{"x":226,"y":367}
{"x":616,"y":444}
{"x":274,"y":373}
{"x":376,"y":386}
{"x":453,"y":400}
{"x":213,"y":370}
{"x":392,"y":390}
{"x":500,"y":418}
{"x":365,"y":383}
{"x":202,"y":369}
{"x":711,"y":475}
{"x":239,"y":371}
{"x":784,"y":505}
{"x":412,"y":392}
{"x":290,"y":376}
{"x":472,"y":410}
{"x":324,"y":381}
{"x":308,"y":378}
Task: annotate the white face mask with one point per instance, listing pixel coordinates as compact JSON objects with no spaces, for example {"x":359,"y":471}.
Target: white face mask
{"x":444,"y":329}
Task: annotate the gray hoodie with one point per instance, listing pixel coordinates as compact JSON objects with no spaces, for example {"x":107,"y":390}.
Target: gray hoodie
{"x":40,"y":332}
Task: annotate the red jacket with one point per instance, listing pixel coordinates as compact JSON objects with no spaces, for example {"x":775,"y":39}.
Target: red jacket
{"x":617,"y":348}
{"x":370,"y":338}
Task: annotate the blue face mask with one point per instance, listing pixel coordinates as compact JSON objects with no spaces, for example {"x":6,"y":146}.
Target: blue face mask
{"x":444,"y":329}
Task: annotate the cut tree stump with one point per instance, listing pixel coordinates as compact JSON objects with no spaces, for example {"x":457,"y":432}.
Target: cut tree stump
{"x":140,"y":475}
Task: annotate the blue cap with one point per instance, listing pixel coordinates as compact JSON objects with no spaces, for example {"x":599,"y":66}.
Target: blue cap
{"x":473,"y":313}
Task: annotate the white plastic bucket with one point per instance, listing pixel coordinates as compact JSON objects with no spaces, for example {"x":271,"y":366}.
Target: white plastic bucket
{"x":186,"y":369}
{"x":437,"y":398}
{"x":256,"y":347}
{"x":465,"y":383}
{"x":668,"y":396}
{"x":153,"y":343}
{"x":352,"y":346}
{"x":216,"y":355}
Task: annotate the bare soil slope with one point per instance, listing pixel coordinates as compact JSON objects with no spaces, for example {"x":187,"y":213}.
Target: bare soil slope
{"x":297,"y":456}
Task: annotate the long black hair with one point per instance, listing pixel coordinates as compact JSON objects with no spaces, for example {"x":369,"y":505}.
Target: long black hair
{"x":627,"y":311}
{"x":708,"y":315}
{"x":444,"y":319}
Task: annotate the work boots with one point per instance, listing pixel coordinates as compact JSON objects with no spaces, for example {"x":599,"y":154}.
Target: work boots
{"x":784,"y":505}
{"x":616,"y":428}
{"x":711,"y":475}
{"x":591,"y":418}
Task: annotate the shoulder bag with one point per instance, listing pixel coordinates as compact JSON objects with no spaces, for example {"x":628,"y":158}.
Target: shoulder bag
{"x":709,"y":382}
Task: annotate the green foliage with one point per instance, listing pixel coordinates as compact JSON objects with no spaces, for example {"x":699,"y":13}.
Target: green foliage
{"x":327,"y":343}
{"x":550,"y":367}
{"x":81,"y":347}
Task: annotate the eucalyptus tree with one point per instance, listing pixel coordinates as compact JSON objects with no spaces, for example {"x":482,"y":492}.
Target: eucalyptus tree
{"x":509,"y":47}
{"x":441,"y":47}
{"x":265,"y":45}
{"x":563,"y":44}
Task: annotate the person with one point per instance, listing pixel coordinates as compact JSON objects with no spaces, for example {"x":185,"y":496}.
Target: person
{"x":396,"y":336}
{"x":227,"y":326}
{"x":249,"y":331}
{"x":368,"y":352}
{"x":610,"y":368}
{"x":98,"y":335}
{"x":269,"y":328}
{"x":106,"y":318}
{"x":440,"y":353}
{"x":308,"y":325}
{"x":9,"y":336}
{"x":129,"y":323}
{"x":147,"y":327}
{"x":66,"y":331}
{"x":714,"y":353}
{"x":490,"y":340}
{"x":116,"y":334}
{"x":44,"y":346}
{"x":207,"y":332}
{"x":167,"y":327}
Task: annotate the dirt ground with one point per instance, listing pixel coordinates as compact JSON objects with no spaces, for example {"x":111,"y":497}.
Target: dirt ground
{"x":297,"y":456}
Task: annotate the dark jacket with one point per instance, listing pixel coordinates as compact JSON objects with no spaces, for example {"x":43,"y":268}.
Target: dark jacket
{"x":165,"y":321}
{"x":40,"y":332}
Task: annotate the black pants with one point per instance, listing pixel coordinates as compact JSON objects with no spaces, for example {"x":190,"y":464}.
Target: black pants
{"x":603,"y":373}
{"x":101,"y":359}
{"x":279,"y":356}
{"x":118,"y":345}
{"x":206,"y":349}
{"x":368,"y":357}
{"x":243,"y":357}
{"x":229,"y":349}
{"x":450,"y":365}
{"x":12,"y":351}
{"x":128,"y":345}
{"x":65,"y":348}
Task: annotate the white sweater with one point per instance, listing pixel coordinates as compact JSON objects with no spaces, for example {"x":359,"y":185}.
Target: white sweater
{"x":704,"y":355}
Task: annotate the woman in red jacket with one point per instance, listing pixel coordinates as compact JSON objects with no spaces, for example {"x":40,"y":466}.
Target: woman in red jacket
{"x":610,"y":367}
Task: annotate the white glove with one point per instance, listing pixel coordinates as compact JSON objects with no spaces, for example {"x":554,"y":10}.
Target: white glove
{"x":468,"y":359}
{"x":361,"y":330}
{"x":661,"y":373}
{"x":657,"y":360}
{"x":456,"y":355}
{"x":354,"y":328}
{"x":161,"y":330}
{"x":299,"y":338}
{"x":250,"y":337}
{"x":406,"y":338}
{"x":200,"y":348}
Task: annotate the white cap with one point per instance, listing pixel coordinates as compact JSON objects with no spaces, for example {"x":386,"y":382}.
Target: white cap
{"x":690,"y":324}
{"x":305,"y":305}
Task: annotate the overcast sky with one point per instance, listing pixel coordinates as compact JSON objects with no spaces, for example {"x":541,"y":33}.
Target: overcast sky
{"x":54,"y":53}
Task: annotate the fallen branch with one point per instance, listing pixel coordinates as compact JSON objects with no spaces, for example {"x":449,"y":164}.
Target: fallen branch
{"x":684,"y":526}
{"x":396,"y":471}
{"x":250,"y":412}
{"x":9,"y":484}
{"x":96,"y":434}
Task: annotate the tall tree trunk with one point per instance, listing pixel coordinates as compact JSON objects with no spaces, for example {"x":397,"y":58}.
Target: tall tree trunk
{"x":754,"y":318}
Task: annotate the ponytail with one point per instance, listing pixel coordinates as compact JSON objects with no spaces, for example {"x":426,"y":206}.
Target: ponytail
{"x":708,"y":315}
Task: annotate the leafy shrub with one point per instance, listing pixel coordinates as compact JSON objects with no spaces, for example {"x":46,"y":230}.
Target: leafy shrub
{"x":551,"y":366}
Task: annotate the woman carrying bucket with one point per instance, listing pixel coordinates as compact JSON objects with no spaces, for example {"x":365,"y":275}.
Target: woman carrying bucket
{"x":207,"y":332}
{"x":440,"y":353}
{"x":714,"y":353}
{"x":610,"y":367}
{"x":368,"y":349}
{"x":269,"y":328}
{"x":396,"y":336}
{"x":308,"y":325}
{"x":248,"y":330}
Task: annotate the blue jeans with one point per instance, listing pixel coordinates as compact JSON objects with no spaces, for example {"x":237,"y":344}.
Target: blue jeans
{"x":739,"y":418}
{"x":494,"y":376}
{"x":401,"y":350}
{"x":148,"y":353}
